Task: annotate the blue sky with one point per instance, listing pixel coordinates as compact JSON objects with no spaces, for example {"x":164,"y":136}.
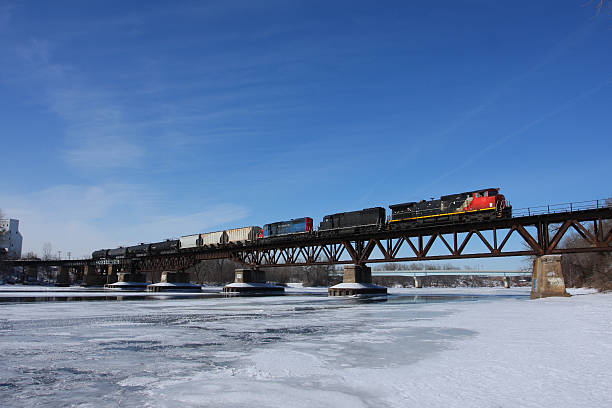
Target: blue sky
{"x":135,"y":121}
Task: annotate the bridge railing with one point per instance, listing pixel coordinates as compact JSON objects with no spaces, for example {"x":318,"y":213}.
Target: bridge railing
{"x":562,"y":208}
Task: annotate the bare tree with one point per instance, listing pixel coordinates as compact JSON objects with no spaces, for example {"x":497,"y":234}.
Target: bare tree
{"x":47,"y":249}
{"x":318,"y":275}
{"x":216,"y":272}
{"x":586,"y":269}
{"x":3,"y":251}
{"x":30,"y":255}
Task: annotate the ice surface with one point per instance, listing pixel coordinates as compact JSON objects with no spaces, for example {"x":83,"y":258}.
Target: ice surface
{"x":496,"y":349}
{"x":250,"y":285}
{"x":349,"y":285}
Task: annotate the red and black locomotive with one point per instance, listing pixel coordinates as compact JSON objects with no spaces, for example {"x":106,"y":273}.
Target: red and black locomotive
{"x":469,"y":206}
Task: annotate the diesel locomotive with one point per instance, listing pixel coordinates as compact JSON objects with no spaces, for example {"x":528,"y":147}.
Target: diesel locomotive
{"x":295,"y":226}
{"x":352,"y":222}
{"x":470,"y":206}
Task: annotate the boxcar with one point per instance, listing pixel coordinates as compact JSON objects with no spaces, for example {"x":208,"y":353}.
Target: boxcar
{"x":368,"y":216}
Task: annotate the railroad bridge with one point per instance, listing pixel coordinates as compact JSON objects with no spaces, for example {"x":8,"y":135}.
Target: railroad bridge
{"x":539,"y":229}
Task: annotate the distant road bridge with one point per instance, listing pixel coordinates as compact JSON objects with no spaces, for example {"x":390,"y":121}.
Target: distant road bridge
{"x":452,"y":272}
{"x":418,"y":274}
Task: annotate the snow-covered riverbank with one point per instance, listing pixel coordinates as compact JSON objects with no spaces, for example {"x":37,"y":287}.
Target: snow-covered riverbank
{"x":488,"y":347}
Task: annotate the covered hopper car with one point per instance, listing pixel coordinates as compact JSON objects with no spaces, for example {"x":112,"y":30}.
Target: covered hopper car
{"x":245,"y":234}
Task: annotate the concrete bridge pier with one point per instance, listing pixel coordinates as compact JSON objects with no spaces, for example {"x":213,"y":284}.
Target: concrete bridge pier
{"x":418,"y":282}
{"x":63,"y":276}
{"x":132,"y":280}
{"x":356,"y":280}
{"x":111,"y":274}
{"x":92,"y":276}
{"x":77,"y":274}
{"x":154,"y":276}
{"x":547,"y":279}
{"x":30,"y":274}
{"x":174,"y":281}
{"x":252,"y":282}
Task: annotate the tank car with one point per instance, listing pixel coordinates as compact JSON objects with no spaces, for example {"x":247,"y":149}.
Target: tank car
{"x":138,"y":250}
{"x":99,"y":254}
{"x":169,"y":246}
{"x":120,"y":252}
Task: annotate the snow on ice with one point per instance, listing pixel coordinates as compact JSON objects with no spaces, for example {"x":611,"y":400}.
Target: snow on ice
{"x":428,"y":347}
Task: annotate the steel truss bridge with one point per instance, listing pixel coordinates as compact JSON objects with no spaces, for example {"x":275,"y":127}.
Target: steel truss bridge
{"x":541,"y":229}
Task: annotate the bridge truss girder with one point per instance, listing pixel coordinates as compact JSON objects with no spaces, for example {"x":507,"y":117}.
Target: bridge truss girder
{"x":419,"y":243}
{"x":409,"y":244}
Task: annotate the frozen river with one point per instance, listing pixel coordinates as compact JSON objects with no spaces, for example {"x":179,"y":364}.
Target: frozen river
{"x":451,"y":348}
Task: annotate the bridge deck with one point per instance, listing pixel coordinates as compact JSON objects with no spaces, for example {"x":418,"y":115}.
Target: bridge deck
{"x":399,"y":243}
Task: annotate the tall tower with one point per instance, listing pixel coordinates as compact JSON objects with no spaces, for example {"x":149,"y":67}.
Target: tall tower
{"x":10,"y":238}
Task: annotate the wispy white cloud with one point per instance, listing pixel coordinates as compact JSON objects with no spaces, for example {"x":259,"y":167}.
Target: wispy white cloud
{"x":113,"y":127}
{"x":97,"y":134}
{"x":97,"y":131}
{"x":80,"y":219}
{"x":523,"y":129}
{"x":6,"y":11}
{"x":572,"y":39}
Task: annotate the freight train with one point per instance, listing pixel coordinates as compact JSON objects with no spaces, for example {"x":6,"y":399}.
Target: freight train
{"x":470,"y":206}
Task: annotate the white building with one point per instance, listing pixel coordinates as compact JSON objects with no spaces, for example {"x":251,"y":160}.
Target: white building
{"x":10,"y":238}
